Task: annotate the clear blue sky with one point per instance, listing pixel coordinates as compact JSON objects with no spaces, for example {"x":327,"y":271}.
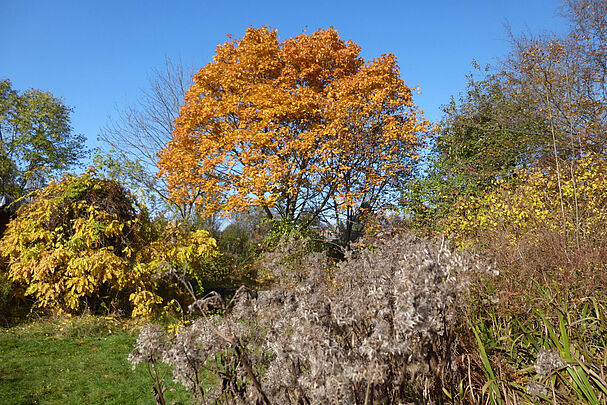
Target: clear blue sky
{"x":98,"y":54}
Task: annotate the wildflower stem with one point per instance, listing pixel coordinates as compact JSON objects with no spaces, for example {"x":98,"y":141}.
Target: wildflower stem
{"x":232,"y":339}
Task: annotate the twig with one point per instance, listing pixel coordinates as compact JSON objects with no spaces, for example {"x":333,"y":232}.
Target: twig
{"x":231,"y":340}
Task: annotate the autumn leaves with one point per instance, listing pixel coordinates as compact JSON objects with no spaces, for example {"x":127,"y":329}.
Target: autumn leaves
{"x":299,"y":127}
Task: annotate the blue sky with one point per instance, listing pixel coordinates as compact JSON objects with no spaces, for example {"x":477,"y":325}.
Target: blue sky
{"x":98,"y":55}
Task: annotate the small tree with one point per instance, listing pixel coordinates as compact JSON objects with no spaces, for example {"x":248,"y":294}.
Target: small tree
{"x":485,"y":134}
{"x":74,"y":242}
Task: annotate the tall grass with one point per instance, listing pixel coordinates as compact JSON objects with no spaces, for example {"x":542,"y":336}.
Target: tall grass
{"x":556,"y":354}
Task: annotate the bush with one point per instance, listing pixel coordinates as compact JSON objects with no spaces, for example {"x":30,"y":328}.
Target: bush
{"x":378,"y":327}
{"x":239,"y":244}
{"x":73,"y":243}
{"x":83,"y":243}
{"x":192,"y":253}
{"x":6,"y":299}
{"x":550,"y":297}
{"x":536,"y":239}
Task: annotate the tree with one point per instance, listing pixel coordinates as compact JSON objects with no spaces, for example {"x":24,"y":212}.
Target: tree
{"x":489,"y":132}
{"x":566,"y":79}
{"x":544,"y":106}
{"x":485,"y":135}
{"x":304,"y":128}
{"x":139,"y":131}
{"x":36,"y":139}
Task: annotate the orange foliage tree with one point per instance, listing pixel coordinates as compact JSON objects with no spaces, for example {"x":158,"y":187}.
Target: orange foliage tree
{"x":304,"y":128}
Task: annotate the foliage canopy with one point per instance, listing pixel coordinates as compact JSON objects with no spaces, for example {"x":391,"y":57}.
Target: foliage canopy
{"x":300,"y":127}
{"x":35,"y":139}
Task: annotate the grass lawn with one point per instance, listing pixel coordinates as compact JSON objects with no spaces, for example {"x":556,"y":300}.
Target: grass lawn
{"x":75,"y":361}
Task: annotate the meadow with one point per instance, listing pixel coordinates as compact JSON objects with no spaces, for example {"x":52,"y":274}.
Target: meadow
{"x":75,"y":360}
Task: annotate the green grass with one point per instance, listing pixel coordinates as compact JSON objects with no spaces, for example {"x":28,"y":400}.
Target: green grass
{"x":576,"y":330}
{"x":75,"y":361}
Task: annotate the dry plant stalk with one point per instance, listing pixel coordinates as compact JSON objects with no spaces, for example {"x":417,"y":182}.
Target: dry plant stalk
{"x":378,"y":327}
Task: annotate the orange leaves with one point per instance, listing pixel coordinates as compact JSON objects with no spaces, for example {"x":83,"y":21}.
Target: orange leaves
{"x":290,"y":124}
{"x":320,"y":58}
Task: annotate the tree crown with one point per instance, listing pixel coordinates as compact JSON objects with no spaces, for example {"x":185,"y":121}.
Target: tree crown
{"x":35,"y":139}
{"x":299,"y":127}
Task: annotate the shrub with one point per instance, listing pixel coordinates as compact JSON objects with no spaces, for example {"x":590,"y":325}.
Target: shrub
{"x":82,"y":242}
{"x":546,"y":232}
{"x":240,"y":245}
{"x":537,"y":240}
{"x":6,"y":299}
{"x":377,"y":327}
{"x":73,"y":243}
{"x":192,"y":253}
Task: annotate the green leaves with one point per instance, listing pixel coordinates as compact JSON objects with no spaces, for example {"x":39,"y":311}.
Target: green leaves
{"x":36,"y":139}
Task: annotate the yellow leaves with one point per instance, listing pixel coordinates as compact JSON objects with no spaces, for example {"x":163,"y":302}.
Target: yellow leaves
{"x":534,"y":203}
{"x":145,"y":303}
{"x":192,"y":252}
{"x":63,"y":247}
{"x":128,"y":252}
{"x":114,"y":228}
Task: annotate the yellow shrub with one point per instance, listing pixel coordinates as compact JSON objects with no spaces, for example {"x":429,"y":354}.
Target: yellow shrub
{"x":68,"y":245}
{"x":191,"y":253}
{"x":538,"y":238}
{"x":83,"y":241}
{"x":532,"y":202}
